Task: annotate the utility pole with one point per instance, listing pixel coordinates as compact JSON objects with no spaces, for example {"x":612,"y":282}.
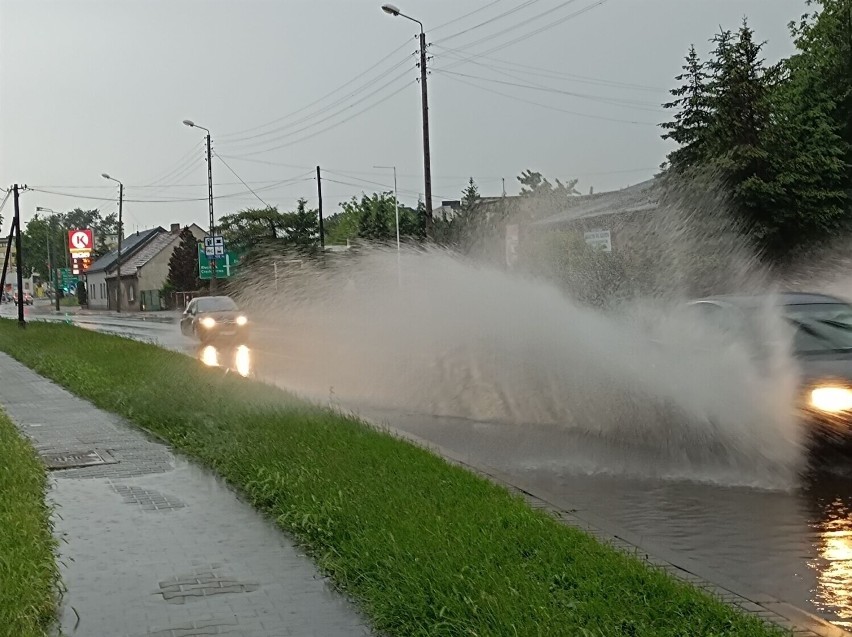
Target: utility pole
{"x":6,"y":263}
{"x":52,"y":275}
{"x":213,"y":282}
{"x":19,"y":256}
{"x":211,"y":259}
{"x":319,"y":196}
{"x":120,"y":233}
{"x":427,"y":158}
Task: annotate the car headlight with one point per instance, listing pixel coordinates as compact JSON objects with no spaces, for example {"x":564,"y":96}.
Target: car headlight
{"x":242,"y":320}
{"x":208,"y":321}
{"x":832,"y":400}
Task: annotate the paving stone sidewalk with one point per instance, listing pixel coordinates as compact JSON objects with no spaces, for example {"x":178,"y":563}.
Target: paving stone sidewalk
{"x":153,"y":544}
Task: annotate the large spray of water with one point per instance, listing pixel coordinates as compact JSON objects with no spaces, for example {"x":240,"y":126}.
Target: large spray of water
{"x":430,"y":331}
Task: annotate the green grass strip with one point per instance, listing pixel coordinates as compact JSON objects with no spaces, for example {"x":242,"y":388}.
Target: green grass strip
{"x":424,"y":547}
{"x":29,"y":577}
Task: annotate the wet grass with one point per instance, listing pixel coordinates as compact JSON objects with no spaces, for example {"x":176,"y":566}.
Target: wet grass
{"x":424,"y":547}
{"x":29,"y":577}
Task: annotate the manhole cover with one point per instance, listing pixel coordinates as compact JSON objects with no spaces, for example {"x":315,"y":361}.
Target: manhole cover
{"x":73,"y":459}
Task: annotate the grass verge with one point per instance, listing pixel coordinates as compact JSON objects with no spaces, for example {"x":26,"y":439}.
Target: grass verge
{"x":29,"y":576}
{"x":426,"y":548}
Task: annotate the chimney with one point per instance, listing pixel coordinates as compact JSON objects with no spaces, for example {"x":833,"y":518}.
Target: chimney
{"x":175,"y":228}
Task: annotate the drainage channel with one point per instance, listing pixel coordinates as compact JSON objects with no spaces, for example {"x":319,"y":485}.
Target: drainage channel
{"x":71,"y":459}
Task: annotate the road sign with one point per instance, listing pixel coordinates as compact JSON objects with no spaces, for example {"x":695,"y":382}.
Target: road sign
{"x":79,"y":265}
{"x":80,"y":242}
{"x":225,"y":265}
{"x":599,"y":240}
{"x":67,"y":279}
{"x":214,"y":246}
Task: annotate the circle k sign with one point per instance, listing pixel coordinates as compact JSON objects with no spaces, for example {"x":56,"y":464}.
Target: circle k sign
{"x":80,"y":241}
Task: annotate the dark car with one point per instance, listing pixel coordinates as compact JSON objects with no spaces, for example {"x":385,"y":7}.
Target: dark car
{"x":214,"y":319}
{"x":822,"y":347}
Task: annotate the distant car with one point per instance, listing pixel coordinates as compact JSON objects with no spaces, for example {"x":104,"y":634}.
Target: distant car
{"x":822,"y":347}
{"x":28,"y":298}
{"x":214,"y":319}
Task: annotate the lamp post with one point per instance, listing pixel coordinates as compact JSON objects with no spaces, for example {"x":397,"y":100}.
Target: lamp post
{"x":427,"y":160}
{"x":51,"y":273}
{"x":191,"y":124}
{"x":118,"y":259}
{"x":396,"y":205}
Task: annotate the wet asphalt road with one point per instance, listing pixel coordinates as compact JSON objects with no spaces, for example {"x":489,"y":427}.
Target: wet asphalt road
{"x":795,"y":546}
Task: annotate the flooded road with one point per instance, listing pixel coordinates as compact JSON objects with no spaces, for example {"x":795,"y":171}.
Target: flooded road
{"x":794,"y":545}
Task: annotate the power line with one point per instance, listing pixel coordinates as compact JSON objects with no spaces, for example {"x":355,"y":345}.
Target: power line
{"x":549,"y":73}
{"x":317,"y":113}
{"x":523,"y":5}
{"x":178,"y":165}
{"x":324,"y":119}
{"x":530,"y":34}
{"x":552,"y":108}
{"x":403,"y":191}
{"x":185,"y":200}
{"x":320,"y":99}
{"x":462,"y":17}
{"x":594,"y":98}
{"x":332,"y":126}
{"x":228,"y":166}
{"x":516,"y":25}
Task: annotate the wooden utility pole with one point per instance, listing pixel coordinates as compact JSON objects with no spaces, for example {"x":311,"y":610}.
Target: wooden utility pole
{"x":427,"y":157}
{"x":19,"y":258}
{"x":319,"y":196}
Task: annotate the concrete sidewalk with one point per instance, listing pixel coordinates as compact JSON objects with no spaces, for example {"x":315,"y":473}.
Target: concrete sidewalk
{"x":153,"y":544}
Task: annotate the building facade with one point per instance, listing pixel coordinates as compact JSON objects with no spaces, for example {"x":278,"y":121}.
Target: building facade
{"x":145,"y":259}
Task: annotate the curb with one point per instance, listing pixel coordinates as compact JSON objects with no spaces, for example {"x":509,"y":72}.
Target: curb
{"x":771,"y":611}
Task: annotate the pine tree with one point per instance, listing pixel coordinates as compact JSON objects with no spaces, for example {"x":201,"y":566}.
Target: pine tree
{"x":302,"y":226}
{"x":183,"y":264}
{"x":470,"y":195}
{"x":824,"y":42}
{"x":689,"y":128}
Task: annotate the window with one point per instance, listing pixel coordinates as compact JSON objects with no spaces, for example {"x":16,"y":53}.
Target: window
{"x":91,"y":290}
{"x":130,"y":294}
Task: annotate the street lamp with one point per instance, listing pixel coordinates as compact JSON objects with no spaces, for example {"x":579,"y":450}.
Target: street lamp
{"x":51,"y":273}
{"x":118,"y":259}
{"x":427,"y":160}
{"x":191,"y":124}
{"x":396,"y":203}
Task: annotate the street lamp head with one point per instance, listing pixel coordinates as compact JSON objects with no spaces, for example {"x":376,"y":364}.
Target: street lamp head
{"x":105,"y":176}
{"x":391,"y":9}
{"x":188,"y":122}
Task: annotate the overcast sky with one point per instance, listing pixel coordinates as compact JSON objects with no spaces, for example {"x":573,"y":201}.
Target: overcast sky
{"x":567,"y":88}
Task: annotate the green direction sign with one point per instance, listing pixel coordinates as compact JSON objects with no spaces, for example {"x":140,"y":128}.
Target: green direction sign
{"x":225,"y":265}
{"x":66,"y":279}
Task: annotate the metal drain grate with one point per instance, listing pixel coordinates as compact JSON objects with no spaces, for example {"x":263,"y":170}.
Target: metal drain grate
{"x":73,"y":459}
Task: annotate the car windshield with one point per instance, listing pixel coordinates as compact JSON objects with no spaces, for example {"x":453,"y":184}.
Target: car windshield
{"x":217,"y":304}
{"x":821,"y":327}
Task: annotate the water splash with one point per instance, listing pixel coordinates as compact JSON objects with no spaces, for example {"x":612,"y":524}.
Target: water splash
{"x":457,"y":338}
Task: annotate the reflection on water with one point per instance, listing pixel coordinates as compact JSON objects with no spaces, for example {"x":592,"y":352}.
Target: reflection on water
{"x":242,"y":360}
{"x":210,"y":356}
{"x":833,"y":564}
{"x":239,"y":359}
